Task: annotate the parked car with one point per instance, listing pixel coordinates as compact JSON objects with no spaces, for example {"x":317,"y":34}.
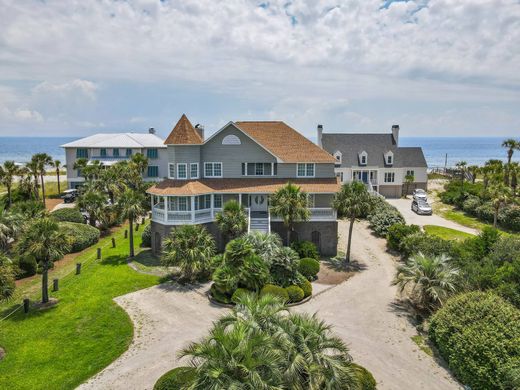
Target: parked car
{"x":419,"y":194}
{"x":69,"y":196}
{"x":421,"y":207}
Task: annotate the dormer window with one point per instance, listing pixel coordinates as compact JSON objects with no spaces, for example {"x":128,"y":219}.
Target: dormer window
{"x":389,"y":158}
{"x":363,"y":158}
{"x":338,"y":156}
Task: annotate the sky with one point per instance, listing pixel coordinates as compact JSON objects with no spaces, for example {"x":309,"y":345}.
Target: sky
{"x":436,"y":68}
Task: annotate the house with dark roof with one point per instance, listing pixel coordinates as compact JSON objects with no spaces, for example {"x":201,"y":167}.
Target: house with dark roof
{"x":245,"y":161}
{"x":377,"y":160}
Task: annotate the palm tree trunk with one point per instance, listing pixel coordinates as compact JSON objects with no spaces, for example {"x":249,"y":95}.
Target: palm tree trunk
{"x":58,"y":178}
{"x":43,"y":189}
{"x":495,"y":218}
{"x":131,"y":237}
{"x":91,"y":220}
{"x":351,"y":228}
{"x":45,"y":282}
{"x":36,"y":192}
{"x":9,"y":197}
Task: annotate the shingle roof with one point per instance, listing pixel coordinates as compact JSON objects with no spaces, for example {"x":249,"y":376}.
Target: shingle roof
{"x":184,"y":133}
{"x":258,"y":185}
{"x":376,"y":145}
{"x":284,"y":142}
{"x":117,"y":140}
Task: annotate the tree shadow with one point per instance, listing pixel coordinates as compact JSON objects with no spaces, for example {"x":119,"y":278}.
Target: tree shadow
{"x":339,"y":264}
{"x":175,"y":286}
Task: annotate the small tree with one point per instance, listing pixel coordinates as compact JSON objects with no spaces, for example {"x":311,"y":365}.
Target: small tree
{"x":474,"y":170}
{"x":7,"y":173}
{"x":499,"y":194}
{"x":94,"y":202}
{"x":232,"y":220}
{"x":352,"y":201}
{"x":131,"y":206}
{"x":7,"y":283}
{"x":511,"y":145}
{"x":408,"y":179}
{"x":46,"y":243}
{"x":189,"y":247}
{"x":42,"y":160}
{"x":57,"y":166}
{"x":291,"y":204}
{"x":461,"y":167}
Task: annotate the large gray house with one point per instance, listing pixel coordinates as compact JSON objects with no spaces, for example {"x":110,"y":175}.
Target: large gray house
{"x":246,"y":161}
{"x":377,"y":160}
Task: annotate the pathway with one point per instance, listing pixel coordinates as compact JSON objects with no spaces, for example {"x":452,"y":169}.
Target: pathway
{"x":362,"y":311}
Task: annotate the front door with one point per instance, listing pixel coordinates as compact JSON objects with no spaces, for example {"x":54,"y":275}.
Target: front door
{"x":258,"y":202}
{"x":364,"y":176}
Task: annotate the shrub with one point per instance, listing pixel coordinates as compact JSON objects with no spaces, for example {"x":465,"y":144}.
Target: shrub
{"x":306,"y":249}
{"x":505,"y":249}
{"x":509,"y":217}
{"x":146,"y":236}
{"x":68,"y":215}
{"x":306,"y":286}
{"x":276,"y":291}
{"x":396,"y":234}
{"x":477,"y":333}
{"x":426,"y":244}
{"x":253,"y":273}
{"x":27,"y":265}
{"x":365,"y":377}
{"x":239,"y":293}
{"x":179,"y":378}
{"x":264,"y":245}
{"x":295,"y":293}
{"x":82,"y":236}
{"x":218,"y":294}
{"x":471,"y":203}
{"x":284,"y":268}
{"x":309,"y":268}
{"x":382,"y":217}
{"x":485,"y":212}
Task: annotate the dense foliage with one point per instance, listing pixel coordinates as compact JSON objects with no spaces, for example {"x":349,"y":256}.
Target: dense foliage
{"x":68,"y":215}
{"x":478,"y":334}
{"x":309,"y":268}
{"x":294,"y":293}
{"x":306,"y":249}
{"x":232,"y":220}
{"x":397,"y":233}
{"x":146,"y":236}
{"x":382,"y":216}
{"x":176,"y":379}
{"x":81,"y":236}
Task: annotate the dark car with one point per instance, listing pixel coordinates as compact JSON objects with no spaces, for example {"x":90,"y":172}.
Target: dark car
{"x":69,"y":196}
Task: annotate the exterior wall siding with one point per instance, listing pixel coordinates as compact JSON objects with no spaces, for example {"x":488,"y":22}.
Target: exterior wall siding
{"x":323,"y":200}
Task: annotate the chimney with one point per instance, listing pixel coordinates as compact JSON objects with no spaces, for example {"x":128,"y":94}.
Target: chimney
{"x":151,"y":130}
{"x":320,"y":134}
{"x":200,"y":130}
{"x":395,"y":134}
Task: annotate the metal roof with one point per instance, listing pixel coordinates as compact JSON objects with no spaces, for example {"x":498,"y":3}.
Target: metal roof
{"x":118,"y":140}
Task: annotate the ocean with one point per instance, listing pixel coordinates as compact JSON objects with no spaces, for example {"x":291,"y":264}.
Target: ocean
{"x":473,"y":150}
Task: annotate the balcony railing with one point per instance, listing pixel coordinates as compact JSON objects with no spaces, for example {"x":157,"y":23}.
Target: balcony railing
{"x":317,"y":214}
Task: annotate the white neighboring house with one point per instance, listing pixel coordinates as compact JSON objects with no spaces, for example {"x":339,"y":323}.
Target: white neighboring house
{"x":113,"y":147}
{"x":377,"y":160}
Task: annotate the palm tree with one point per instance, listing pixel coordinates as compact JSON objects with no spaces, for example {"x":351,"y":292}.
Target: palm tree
{"x":139,"y":162}
{"x":42,"y":160}
{"x":352,"y":201}
{"x":10,"y":227}
{"x":94,"y":202}
{"x":92,"y":170}
{"x":46,"y":243}
{"x":131,"y":205}
{"x":511,"y":145}
{"x":264,"y":245}
{"x":408,"y":179}
{"x":433,"y":278}
{"x":499,"y":194}
{"x":80,"y":164}
{"x":7,"y":278}
{"x":461,"y":167}
{"x":474,"y":170}
{"x":33,"y":170}
{"x":7,"y":174}
{"x":110,"y":181}
{"x":232,"y":220}
{"x":57,"y":165}
{"x":291,"y":204}
{"x":514,"y":170}
{"x":189,"y":247}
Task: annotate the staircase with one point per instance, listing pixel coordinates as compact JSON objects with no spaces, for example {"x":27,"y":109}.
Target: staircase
{"x":259,"y":222}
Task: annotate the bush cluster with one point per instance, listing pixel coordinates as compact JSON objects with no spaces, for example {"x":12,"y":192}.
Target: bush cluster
{"x":456,"y":195}
{"x":383,"y":216}
{"x":397,"y":233}
{"x":426,"y":244}
{"x":294,"y":293}
{"x":146,"y":237}
{"x":68,"y":215}
{"x":309,"y":268}
{"x":178,"y":378}
{"x":366,"y":379}
{"x":82,"y":236}
{"x":306,"y":249}
{"x":306,"y":286}
{"x":477,"y":333}
{"x":276,"y":291}
{"x":27,"y":266}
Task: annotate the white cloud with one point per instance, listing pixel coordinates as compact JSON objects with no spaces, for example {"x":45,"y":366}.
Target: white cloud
{"x":83,"y":88}
{"x":28,"y":115}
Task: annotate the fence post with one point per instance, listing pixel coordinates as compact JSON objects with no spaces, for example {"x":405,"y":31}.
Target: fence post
{"x":26,"y":305}
{"x":136,"y":227}
{"x":78,"y":268}
{"x":55,"y":286}
{"x":126,"y":233}
{"x":99,"y":253}
{"x":113,"y":242}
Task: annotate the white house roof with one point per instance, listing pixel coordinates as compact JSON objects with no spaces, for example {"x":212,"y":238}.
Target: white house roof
{"x":118,"y":140}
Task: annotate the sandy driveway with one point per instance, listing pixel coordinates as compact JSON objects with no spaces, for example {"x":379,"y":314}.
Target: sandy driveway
{"x":361,"y":309}
{"x":403,"y":205}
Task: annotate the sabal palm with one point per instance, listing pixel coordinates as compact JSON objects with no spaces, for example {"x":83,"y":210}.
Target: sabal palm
{"x":7,"y":278}
{"x":499,"y":194}
{"x":433,"y":279}
{"x":42,"y":160}
{"x":94,"y":202}
{"x":57,"y":166}
{"x":46,"y":243}
{"x":33,"y":171}
{"x":461,"y":166}
{"x":8,"y":171}
{"x":264,"y":245}
{"x":189,"y":247}
{"x":232,"y":220}
{"x":474,"y":170}
{"x":139,"y":162}
{"x":92,"y":170}
{"x":352,"y":201}
{"x":110,"y":181}
{"x":291,"y":204}
{"x":10,"y":227}
{"x":514,"y":170}
{"x":131,"y":206}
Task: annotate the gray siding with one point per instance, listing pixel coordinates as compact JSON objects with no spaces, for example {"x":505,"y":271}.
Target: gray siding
{"x":321,"y":170}
{"x":184,"y":154}
{"x":323,"y":200}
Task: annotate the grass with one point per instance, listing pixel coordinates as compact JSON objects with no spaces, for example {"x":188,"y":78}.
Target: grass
{"x":446,"y":233}
{"x":434,"y":176}
{"x":61,"y":347}
{"x":421,"y":343}
{"x":147,"y":263}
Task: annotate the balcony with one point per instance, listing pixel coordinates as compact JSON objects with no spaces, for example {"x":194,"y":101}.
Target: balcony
{"x":317,"y":214}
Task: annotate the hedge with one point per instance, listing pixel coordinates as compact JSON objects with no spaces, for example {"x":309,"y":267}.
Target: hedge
{"x":68,"y":215}
{"x":382,"y":217}
{"x":82,"y":235}
{"x":276,"y":291}
{"x":306,"y":286}
{"x":306,"y":249}
{"x":179,"y":378}
{"x":309,"y":268}
{"x":478,"y":333}
{"x":366,"y":379}
{"x":397,"y":233}
{"x":146,"y":237}
{"x":295,"y":293}
{"x":27,"y":265}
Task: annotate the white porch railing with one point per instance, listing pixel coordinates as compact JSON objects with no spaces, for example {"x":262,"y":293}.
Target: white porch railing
{"x":317,"y":214}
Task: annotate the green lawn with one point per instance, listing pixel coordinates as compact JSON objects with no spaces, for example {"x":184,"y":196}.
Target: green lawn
{"x":61,"y":347}
{"x":446,"y":233}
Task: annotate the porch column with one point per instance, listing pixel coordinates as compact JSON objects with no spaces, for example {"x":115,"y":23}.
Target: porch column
{"x":165,"y":199}
{"x":240,"y":199}
{"x":151,"y":199}
{"x":212,"y":206}
{"x":192,"y":209}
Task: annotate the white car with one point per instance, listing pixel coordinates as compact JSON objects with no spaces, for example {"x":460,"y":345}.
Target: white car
{"x":419,"y":194}
{"x":421,"y":207}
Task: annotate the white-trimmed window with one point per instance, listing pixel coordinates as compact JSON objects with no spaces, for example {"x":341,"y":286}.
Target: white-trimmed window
{"x":231,"y":139}
{"x":363,"y":158}
{"x":338,"y":156}
{"x":179,"y":203}
{"x":389,"y":177}
{"x":389,"y":158}
{"x":305,"y":169}
{"x":217,"y":201}
{"x":213,"y":169}
{"x":182,"y":171}
{"x":202,"y":202}
{"x":259,"y":169}
{"x":171,"y":171}
{"x":410,"y":173}
{"x":194,"y":170}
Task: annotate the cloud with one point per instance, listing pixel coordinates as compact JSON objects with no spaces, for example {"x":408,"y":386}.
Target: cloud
{"x":28,"y":115}
{"x":83,"y":88}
